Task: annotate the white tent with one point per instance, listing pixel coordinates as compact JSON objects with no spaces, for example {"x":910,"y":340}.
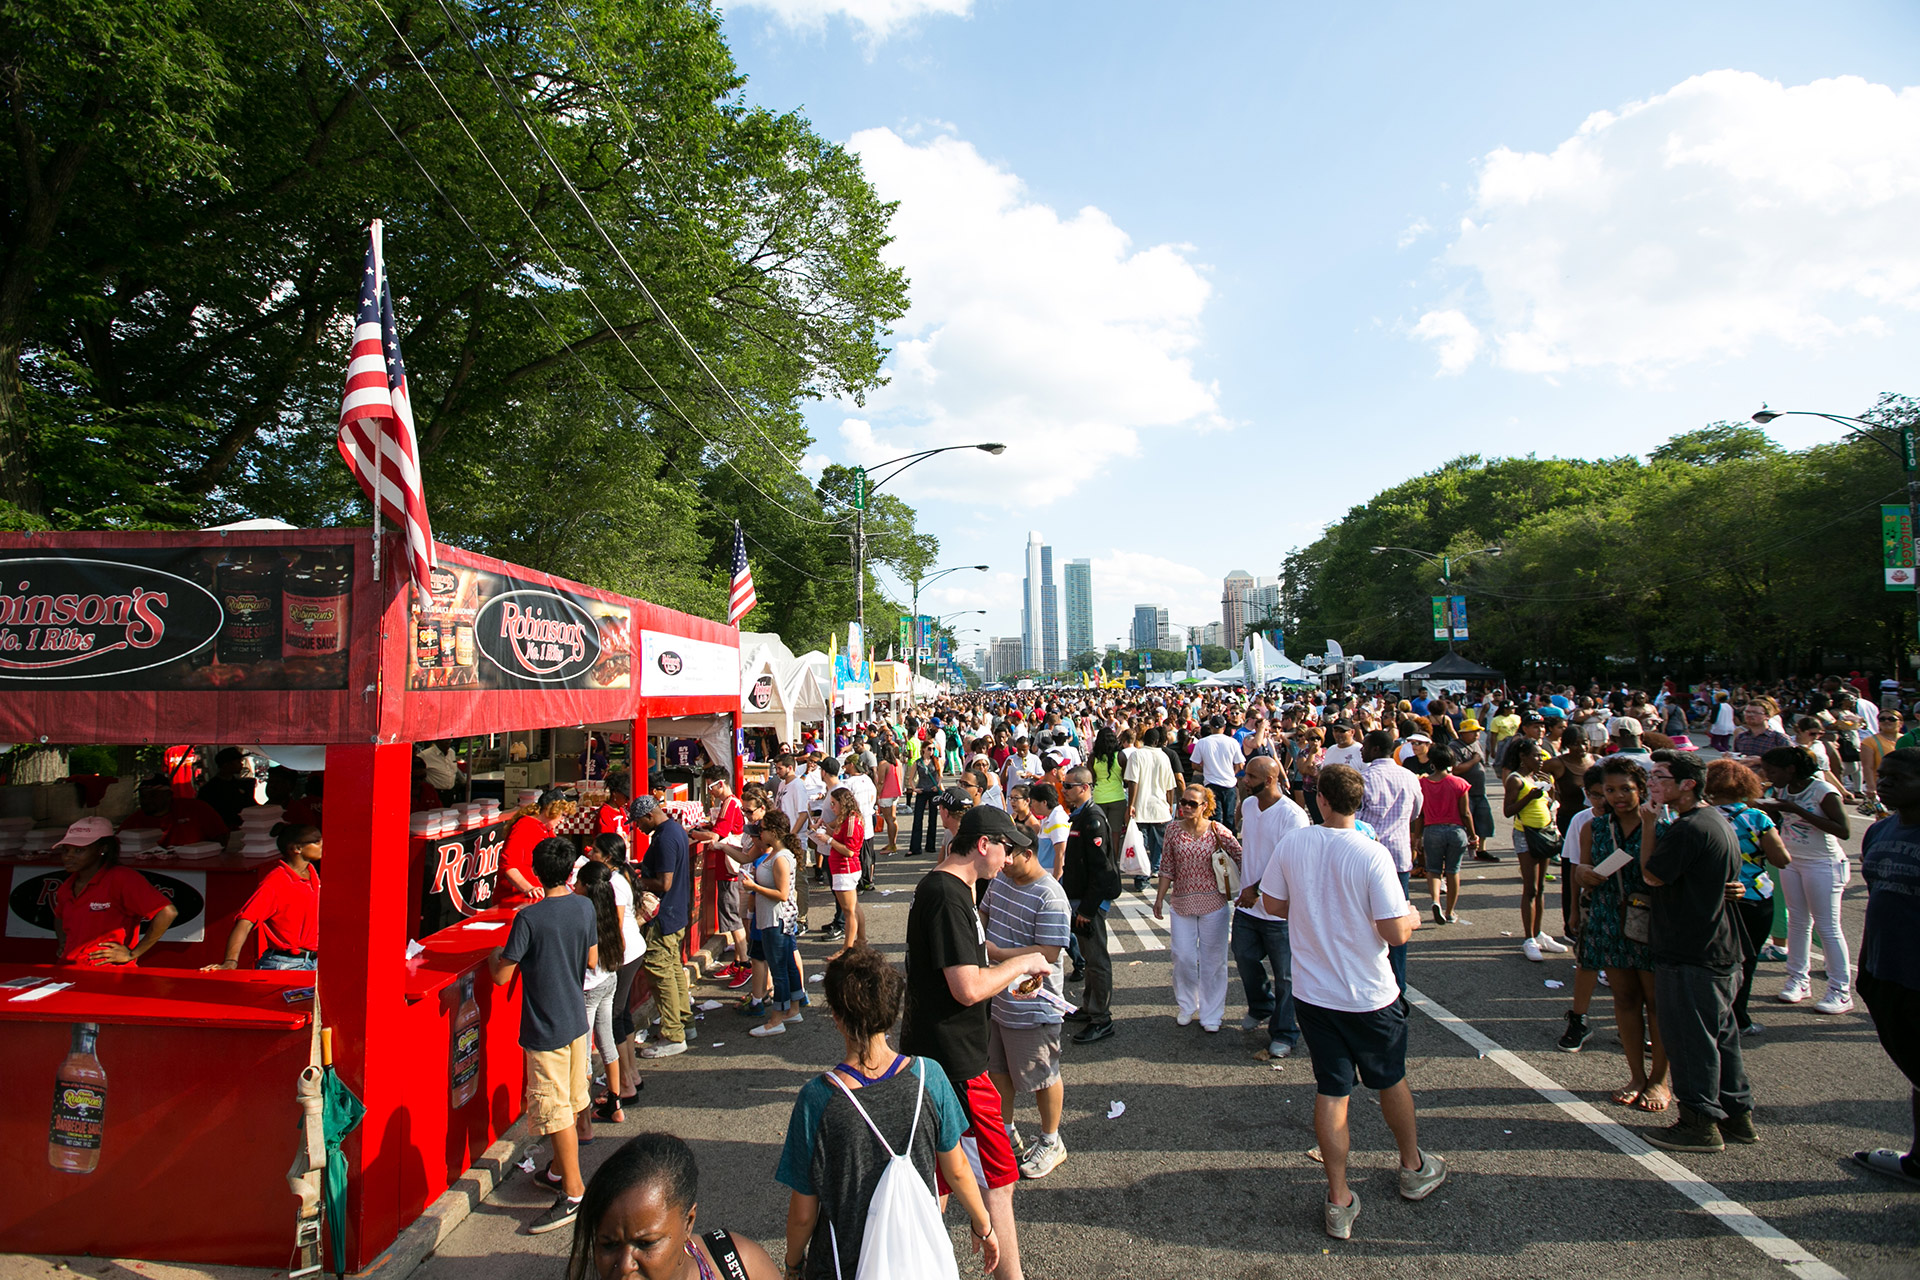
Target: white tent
{"x":777,"y":691}
{"x":1392,"y":673}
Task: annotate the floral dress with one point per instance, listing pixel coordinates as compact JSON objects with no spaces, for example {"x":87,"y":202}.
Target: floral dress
{"x":1187,"y":860}
{"x":1603,"y":940}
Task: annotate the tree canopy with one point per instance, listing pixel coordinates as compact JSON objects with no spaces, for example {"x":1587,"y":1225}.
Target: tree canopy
{"x":1720,"y":550}
{"x":617,"y":282}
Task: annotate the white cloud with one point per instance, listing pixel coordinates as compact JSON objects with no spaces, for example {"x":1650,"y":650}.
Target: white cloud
{"x":1123,"y":579}
{"x":1727,"y":212}
{"x":1415,"y":229}
{"x":1054,"y":335}
{"x":877,"y":19}
{"x":1454,"y":335}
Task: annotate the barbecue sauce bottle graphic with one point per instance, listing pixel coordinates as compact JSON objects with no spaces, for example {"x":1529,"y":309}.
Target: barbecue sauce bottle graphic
{"x":249,"y":586}
{"x":79,"y":1106}
{"x":464,"y":1065}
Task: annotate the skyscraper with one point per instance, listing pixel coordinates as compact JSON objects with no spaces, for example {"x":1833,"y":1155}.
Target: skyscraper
{"x":1079,"y":585}
{"x":1149,"y":626}
{"x":1040,"y":609}
{"x":1005,"y":656}
{"x":1244,"y":600}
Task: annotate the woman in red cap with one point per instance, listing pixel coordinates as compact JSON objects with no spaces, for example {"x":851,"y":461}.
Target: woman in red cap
{"x":99,"y":908}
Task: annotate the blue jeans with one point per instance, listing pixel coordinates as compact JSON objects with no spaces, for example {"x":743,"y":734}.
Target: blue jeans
{"x":275,"y":961}
{"x":1397,"y":956}
{"x":779,"y":948}
{"x":1256,"y":944}
{"x":1226,"y":806}
{"x":1154,"y":834}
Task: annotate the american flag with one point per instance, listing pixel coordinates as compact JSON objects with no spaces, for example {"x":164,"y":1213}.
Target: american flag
{"x":376,"y":419}
{"x":743,"y":598}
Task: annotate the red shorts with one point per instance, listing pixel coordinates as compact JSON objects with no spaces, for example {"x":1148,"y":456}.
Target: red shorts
{"x":985,"y":1137}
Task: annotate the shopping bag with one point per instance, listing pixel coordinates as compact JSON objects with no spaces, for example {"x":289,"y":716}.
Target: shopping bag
{"x":1133,"y":854}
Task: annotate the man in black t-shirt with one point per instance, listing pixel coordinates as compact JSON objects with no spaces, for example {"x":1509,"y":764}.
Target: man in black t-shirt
{"x":952,"y":977}
{"x":1090,"y":874}
{"x":552,"y":945}
{"x":1691,"y":863}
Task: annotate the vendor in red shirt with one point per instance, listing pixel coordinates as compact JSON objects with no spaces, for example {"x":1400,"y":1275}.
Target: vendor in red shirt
{"x":179,"y":819}
{"x":720,"y":837}
{"x":99,"y":908}
{"x":612,"y":818}
{"x":517,"y":885}
{"x":285,"y":905}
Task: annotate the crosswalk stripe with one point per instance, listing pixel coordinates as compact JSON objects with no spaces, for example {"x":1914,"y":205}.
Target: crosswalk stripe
{"x":1141,"y":928}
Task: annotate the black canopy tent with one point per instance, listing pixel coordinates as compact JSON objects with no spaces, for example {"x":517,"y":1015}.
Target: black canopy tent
{"x":1453,"y":667}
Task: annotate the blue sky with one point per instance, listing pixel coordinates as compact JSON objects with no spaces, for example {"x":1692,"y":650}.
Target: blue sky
{"x":1218,"y":272}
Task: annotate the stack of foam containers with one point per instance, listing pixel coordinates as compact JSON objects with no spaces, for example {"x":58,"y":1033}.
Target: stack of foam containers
{"x":254,"y":840}
{"x":141,"y":842}
{"x":39,"y":841}
{"x":199,"y":850}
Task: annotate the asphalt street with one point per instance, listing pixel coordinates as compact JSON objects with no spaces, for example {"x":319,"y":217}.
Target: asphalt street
{"x":1205,"y":1174}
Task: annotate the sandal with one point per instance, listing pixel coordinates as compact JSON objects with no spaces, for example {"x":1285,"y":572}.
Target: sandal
{"x":1884,"y":1161}
{"x":607,"y":1111}
{"x":1627,"y":1096}
{"x":1654,"y":1100}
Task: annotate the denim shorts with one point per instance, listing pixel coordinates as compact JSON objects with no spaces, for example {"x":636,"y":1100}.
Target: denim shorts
{"x":1371,"y":1045}
{"x":1444,"y":845}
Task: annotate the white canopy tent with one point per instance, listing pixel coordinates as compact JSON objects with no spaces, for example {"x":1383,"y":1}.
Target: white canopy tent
{"x":777,"y":691}
{"x":1392,"y":673}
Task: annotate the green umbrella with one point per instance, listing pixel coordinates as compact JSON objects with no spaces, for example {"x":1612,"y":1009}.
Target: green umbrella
{"x":340,"y":1114}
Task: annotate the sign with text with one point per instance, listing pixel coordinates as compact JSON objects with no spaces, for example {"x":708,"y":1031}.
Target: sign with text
{"x":153,"y":618}
{"x":1896,"y":545}
{"x":680,"y":666}
{"x":478,"y":629}
{"x":30,"y":901}
{"x":462,"y":871}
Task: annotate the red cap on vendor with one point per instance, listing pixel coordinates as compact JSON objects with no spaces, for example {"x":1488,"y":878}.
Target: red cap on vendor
{"x":85,"y":832}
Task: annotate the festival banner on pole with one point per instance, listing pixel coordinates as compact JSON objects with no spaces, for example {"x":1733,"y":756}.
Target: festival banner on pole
{"x":1896,"y":543}
{"x":1459,"y":617}
{"x":1439,"y":617}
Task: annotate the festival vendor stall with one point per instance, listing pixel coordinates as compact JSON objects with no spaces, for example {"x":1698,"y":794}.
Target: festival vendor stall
{"x":173,"y":1089}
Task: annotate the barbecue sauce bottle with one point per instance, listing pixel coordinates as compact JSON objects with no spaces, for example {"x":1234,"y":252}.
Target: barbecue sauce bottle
{"x":464,"y":1065}
{"x":79,"y":1106}
{"x":317,"y":594}
{"x":248,"y":581}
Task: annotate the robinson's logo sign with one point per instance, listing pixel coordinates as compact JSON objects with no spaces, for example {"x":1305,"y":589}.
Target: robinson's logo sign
{"x":63,"y":618}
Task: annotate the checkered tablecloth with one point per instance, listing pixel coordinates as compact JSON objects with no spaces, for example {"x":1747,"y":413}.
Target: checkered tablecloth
{"x":690,"y":813}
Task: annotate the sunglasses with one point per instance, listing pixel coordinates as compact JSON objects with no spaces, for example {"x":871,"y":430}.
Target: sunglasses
{"x":1189,"y":804}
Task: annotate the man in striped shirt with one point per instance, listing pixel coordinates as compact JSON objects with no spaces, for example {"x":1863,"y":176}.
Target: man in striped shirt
{"x":1025,"y":910}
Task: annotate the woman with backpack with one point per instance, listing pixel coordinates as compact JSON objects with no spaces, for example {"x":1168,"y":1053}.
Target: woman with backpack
{"x":863,"y":1142}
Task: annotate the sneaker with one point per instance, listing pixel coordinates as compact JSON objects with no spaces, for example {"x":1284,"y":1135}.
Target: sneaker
{"x":1183,"y":1019}
{"x":752,"y":1008}
{"x":1278,"y":1049}
{"x":1439,"y":916}
{"x":1794,"y":993}
{"x":1834,"y":1002}
{"x":1339,"y":1217}
{"x":1752,"y":1029}
{"x":1078,"y":975}
{"x":1484,"y":856}
{"x":777,"y":1029}
{"x":561,"y":1213}
{"x":1019,"y":1144}
{"x":1093,"y":1031}
{"x":1550,"y":944}
{"x":796,"y":1017}
{"x":1043,"y":1157}
{"x":663,"y":1048}
{"x":1772,"y":952}
{"x":1249,"y":1022}
{"x":1531,"y":950}
{"x":1577,"y":1033}
{"x":833,"y":933}
{"x":1418,"y":1184}
{"x":1210,"y":1027}
{"x":1739,"y":1128}
{"x":739,"y":980}
{"x":1077,"y":1015}
{"x":1691,"y":1132}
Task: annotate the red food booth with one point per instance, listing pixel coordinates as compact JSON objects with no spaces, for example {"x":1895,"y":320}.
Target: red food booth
{"x":265,"y":637}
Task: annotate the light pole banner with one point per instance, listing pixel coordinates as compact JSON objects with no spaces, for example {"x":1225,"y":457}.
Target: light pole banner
{"x":1896,"y":543}
{"x":1439,"y":617}
{"x":1459,"y":617}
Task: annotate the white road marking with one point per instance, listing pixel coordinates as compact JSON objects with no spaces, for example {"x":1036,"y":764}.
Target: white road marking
{"x":1739,"y":1219}
{"x":1142,"y":923}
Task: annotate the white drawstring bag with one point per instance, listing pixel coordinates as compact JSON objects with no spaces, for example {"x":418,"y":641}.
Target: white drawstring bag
{"x":905,"y":1236}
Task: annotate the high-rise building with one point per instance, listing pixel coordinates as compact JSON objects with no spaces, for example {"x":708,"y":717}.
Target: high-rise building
{"x":1244,"y":600}
{"x":1006,"y":655}
{"x":1078,"y":577}
{"x":1212,"y":633}
{"x":1149,"y":626}
{"x":1040,"y":609}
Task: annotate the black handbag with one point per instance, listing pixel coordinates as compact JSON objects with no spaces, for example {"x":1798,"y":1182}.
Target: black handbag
{"x":1544,"y":842}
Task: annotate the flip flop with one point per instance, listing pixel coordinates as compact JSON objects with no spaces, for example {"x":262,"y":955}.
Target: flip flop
{"x":1653,"y":1102}
{"x":1626,"y":1097}
{"x":1887,"y":1163}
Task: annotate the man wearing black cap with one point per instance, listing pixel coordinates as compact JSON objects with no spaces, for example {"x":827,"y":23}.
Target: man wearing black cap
{"x":951,"y":979}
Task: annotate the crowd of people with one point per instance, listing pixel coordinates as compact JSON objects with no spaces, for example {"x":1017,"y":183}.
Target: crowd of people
{"x":1283,"y":832}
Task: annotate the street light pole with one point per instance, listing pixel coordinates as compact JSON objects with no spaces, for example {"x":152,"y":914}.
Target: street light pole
{"x":1908,"y":455}
{"x":913,"y":693}
{"x":1446,"y":570}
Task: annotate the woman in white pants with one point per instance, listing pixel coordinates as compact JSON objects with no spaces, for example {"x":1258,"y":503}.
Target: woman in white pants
{"x":1202,"y":910}
{"x":1812,"y":822}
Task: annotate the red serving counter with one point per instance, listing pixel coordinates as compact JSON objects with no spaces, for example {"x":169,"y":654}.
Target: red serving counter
{"x":289,"y":637}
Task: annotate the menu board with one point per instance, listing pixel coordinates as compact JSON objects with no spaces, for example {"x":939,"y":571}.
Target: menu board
{"x":151,"y":618}
{"x":479,"y":629}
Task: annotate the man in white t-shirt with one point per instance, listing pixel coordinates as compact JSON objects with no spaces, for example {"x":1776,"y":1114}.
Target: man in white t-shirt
{"x":1345,"y":749}
{"x":1151,"y":792}
{"x":1344,"y":906}
{"x":1259,"y":937}
{"x":1220,"y":758}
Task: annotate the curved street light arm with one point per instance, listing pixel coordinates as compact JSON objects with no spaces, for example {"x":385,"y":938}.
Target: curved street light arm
{"x":1852,"y":426}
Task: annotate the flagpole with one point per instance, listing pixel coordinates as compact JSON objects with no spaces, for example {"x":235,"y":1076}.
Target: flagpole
{"x":380,"y":283}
